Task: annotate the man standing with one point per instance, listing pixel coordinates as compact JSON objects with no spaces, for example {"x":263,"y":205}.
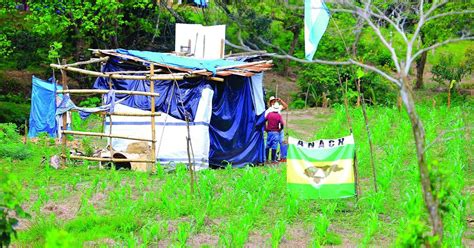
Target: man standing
{"x":274,"y":125}
{"x":277,"y":104}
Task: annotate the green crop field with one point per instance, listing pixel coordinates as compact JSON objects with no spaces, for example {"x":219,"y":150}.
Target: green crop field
{"x":84,"y":206}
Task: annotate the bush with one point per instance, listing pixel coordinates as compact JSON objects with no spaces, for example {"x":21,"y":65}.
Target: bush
{"x":16,"y":151}
{"x":9,"y":203}
{"x":14,"y":113}
{"x":317,"y":79}
{"x":447,"y":70}
{"x":297,"y":104}
{"x":10,"y":147}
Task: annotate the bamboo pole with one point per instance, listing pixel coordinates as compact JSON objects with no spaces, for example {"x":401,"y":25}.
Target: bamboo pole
{"x":370,"y":142}
{"x":217,"y":79}
{"x":91,"y":61}
{"x":110,"y":159}
{"x":64,"y":116}
{"x":26,"y":132}
{"x":104,"y":135}
{"x":190,"y":166}
{"x":125,"y":92}
{"x":131,"y":72}
{"x":153,"y":131}
{"x":177,"y":76}
{"x":124,"y":113}
{"x":111,"y":149}
{"x":234,"y":66}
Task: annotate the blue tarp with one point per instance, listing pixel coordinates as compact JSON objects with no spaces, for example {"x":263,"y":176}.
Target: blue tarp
{"x":182,"y":62}
{"x":188,"y":93}
{"x":201,"y":3}
{"x":236,"y":131}
{"x":43,"y":108}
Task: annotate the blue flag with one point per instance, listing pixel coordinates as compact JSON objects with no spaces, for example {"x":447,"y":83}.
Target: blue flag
{"x":316,"y":19}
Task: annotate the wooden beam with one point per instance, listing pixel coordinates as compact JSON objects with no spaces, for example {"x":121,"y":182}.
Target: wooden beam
{"x":123,"y":113}
{"x":126,"y":92}
{"x":104,"y":135}
{"x":235,"y":66}
{"x":64,"y":116}
{"x":152,"y":108}
{"x":174,"y":76}
{"x":217,"y":79}
{"x":131,"y":72}
{"x":111,"y":159}
{"x":91,"y":61}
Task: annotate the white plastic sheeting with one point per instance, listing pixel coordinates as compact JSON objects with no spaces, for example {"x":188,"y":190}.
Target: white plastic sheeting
{"x":171,"y":146}
{"x":203,"y":42}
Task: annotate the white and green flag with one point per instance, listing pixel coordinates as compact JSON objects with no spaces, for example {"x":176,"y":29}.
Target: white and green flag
{"x":316,"y":19}
{"x":321,"y":169}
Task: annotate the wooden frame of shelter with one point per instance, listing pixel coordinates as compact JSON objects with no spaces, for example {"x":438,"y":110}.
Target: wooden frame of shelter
{"x":167,"y":72}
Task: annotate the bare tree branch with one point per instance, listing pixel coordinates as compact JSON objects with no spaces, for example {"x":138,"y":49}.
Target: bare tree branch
{"x":376,"y":70}
{"x":448,"y":14}
{"x":442,"y":134}
{"x":419,"y":52}
{"x":397,"y":27}
{"x":286,"y":56}
{"x":366,"y":15}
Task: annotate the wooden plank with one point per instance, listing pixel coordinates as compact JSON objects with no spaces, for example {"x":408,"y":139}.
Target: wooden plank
{"x":104,"y":135}
{"x":174,"y":76}
{"x":91,"y":61}
{"x":126,"y":92}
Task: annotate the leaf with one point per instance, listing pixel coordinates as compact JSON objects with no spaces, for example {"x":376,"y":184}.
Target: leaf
{"x":453,"y":82}
{"x":360,"y":73}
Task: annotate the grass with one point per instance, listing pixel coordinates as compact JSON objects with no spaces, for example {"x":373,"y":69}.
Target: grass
{"x":233,"y":207}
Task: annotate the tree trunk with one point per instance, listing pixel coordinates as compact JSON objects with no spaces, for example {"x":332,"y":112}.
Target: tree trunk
{"x":296,"y":34}
{"x":420,"y":68}
{"x":419,"y":134}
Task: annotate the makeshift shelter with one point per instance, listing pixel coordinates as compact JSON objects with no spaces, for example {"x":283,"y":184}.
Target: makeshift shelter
{"x":221,"y":101}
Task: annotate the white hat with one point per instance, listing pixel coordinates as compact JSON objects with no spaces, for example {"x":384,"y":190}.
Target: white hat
{"x":271,"y":98}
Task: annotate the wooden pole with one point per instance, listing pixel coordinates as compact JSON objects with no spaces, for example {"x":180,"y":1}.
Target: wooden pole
{"x":125,"y":92}
{"x":177,"y":76}
{"x":356,"y":176}
{"x":222,"y":48}
{"x":306,"y":98}
{"x":111,"y":149}
{"x":370,"y":142}
{"x":190,"y":166}
{"x":104,"y":135}
{"x":153,"y":131}
{"x":91,"y":61}
{"x":64,"y":117}
{"x":26,"y":132}
{"x":349,"y":122}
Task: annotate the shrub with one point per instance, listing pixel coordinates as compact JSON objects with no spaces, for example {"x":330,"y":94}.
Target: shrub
{"x":10,"y":147}
{"x":297,"y":104}
{"x":9,"y":203}
{"x":14,"y":113}
{"x":448,"y":70}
